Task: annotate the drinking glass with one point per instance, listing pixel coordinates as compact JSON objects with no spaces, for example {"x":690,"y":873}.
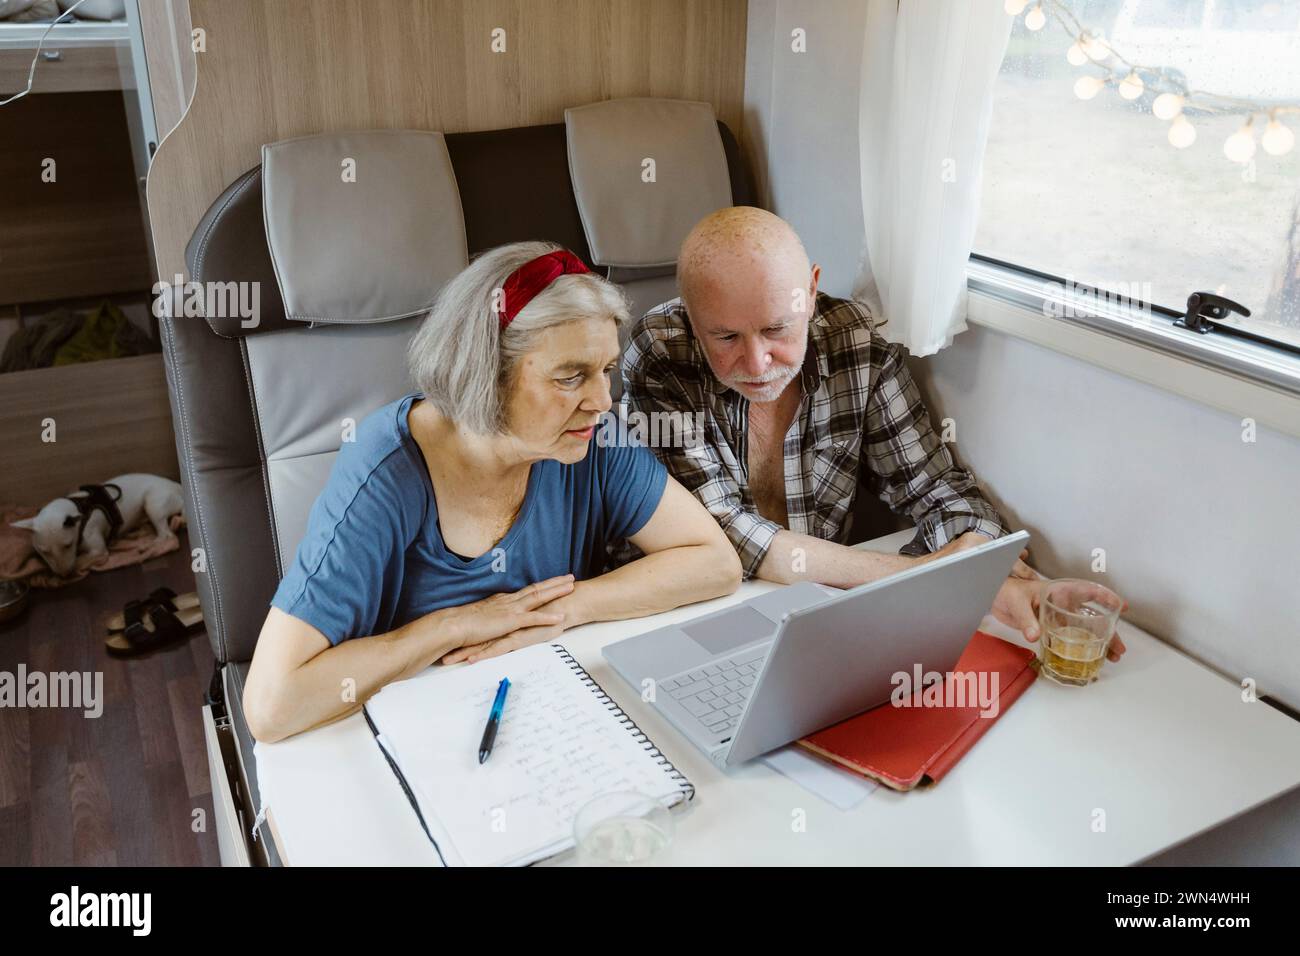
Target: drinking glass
{"x":622,"y":828}
{"x":1077,"y":619}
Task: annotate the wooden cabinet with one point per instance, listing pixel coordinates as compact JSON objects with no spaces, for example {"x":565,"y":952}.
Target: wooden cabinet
{"x":61,"y":69}
{"x":81,"y":234}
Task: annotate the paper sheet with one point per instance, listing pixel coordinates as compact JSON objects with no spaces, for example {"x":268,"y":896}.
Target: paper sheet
{"x":841,"y":788}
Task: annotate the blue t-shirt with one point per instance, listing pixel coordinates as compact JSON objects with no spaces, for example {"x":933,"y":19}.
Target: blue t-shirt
{"x":373,"y":557}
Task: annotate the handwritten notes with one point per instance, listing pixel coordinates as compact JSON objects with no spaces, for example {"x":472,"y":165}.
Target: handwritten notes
{"x":560,"y":744}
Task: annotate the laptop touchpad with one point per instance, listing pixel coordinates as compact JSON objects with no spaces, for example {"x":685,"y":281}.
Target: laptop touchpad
{"x":717,"y":635}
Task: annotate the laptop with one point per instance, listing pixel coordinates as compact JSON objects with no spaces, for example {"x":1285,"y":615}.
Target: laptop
{"x":753,"y":677}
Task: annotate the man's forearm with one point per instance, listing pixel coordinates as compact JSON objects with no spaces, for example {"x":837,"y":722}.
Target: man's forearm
{"x":799,"y":557}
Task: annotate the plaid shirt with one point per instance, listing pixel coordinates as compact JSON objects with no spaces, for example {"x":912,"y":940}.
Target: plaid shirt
{"x":860,"y":415}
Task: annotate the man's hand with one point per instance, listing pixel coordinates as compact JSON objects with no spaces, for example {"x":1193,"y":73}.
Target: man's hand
{"x":973,"y":539}
{"x":1016,"y":605}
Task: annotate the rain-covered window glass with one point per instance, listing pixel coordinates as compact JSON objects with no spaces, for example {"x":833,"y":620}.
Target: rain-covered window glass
{"x":1148,"y":148}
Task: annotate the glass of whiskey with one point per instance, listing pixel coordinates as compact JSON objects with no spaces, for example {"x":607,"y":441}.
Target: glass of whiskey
{"x":1077,"y":620}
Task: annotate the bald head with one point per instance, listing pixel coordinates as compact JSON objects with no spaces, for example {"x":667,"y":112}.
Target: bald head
{"x":736,"y":249}
{"x":749,"y":291}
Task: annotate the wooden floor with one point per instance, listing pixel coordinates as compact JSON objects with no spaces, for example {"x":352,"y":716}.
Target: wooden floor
{"x":122,"y":789}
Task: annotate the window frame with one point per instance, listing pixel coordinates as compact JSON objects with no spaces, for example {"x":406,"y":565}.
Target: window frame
{"x":1253,"y":378}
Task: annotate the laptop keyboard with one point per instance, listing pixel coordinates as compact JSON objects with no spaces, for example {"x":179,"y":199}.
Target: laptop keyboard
{"x":715,"y":694}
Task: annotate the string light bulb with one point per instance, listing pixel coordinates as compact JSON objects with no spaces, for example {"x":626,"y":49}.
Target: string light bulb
{"x":1181,"y":132}
{"x":1240,"y":146}
{"x":1015,"y":7}
{"x":1277,"y":139}
{"x":1086,"y":87}
{"x":1090,"y":47}
{"x":1167,"y":106}
{"x":1131,"y":86}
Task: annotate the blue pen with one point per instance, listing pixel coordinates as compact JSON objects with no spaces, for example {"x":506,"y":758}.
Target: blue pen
{"x":494,"y":720}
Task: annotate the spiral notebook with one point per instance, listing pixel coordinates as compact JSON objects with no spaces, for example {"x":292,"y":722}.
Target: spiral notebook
{"x":562,"y":741}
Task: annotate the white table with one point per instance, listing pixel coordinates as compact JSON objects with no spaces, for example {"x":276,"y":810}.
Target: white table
{"x":1162,"y":746}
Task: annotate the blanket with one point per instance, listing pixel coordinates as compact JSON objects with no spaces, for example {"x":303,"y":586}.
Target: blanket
{"x":18,"y":559}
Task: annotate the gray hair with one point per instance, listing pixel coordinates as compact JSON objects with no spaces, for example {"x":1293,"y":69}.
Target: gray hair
{"x":462,"y":361}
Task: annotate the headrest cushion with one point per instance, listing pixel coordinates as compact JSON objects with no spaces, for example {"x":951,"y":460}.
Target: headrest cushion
{"x":362,"y":226}
{"x":644,"y":172}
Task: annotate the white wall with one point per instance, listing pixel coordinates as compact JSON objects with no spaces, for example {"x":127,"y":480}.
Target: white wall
{"x":1201,"y":531}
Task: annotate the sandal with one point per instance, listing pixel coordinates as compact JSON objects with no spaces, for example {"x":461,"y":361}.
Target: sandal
{"x":164,"y":596}
{"x":151,"y":626}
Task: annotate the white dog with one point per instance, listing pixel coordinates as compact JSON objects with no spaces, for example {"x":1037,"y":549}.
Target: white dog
{"x":61,"y":532}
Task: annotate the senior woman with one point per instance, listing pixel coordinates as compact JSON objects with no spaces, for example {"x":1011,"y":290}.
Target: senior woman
{"x":472,"y":518}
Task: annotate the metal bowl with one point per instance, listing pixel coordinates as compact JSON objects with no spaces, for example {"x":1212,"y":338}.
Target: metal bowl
{"x":13,"y":598}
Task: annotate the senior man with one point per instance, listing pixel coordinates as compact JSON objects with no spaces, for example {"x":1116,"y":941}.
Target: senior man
{"x":801,"y":398}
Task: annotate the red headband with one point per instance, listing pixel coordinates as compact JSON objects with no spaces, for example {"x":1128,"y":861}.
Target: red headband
{"x":524,"y":284}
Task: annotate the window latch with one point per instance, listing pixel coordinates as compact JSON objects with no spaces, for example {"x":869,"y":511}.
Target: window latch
{"x":1204,"y":307}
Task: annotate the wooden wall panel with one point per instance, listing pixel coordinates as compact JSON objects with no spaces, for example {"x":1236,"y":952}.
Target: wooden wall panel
{"x":111,"y":417}
{"x":165,"y":25}
{"x":82,"y":234}
{"x":273,"y":70}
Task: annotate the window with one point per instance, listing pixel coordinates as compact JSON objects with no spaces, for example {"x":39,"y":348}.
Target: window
{"x":1097,"y":192}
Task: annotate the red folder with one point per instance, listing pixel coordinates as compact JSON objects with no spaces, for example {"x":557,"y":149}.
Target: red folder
{"x":906,"y":746}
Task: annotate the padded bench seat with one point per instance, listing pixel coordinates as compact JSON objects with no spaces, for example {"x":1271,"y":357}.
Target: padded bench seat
{"x":513,"y":185}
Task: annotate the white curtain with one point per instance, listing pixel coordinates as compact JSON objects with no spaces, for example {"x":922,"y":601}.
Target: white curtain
{"x":928,"y":70}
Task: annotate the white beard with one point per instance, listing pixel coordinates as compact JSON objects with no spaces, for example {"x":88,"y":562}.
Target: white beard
{"x":769,"y":389}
